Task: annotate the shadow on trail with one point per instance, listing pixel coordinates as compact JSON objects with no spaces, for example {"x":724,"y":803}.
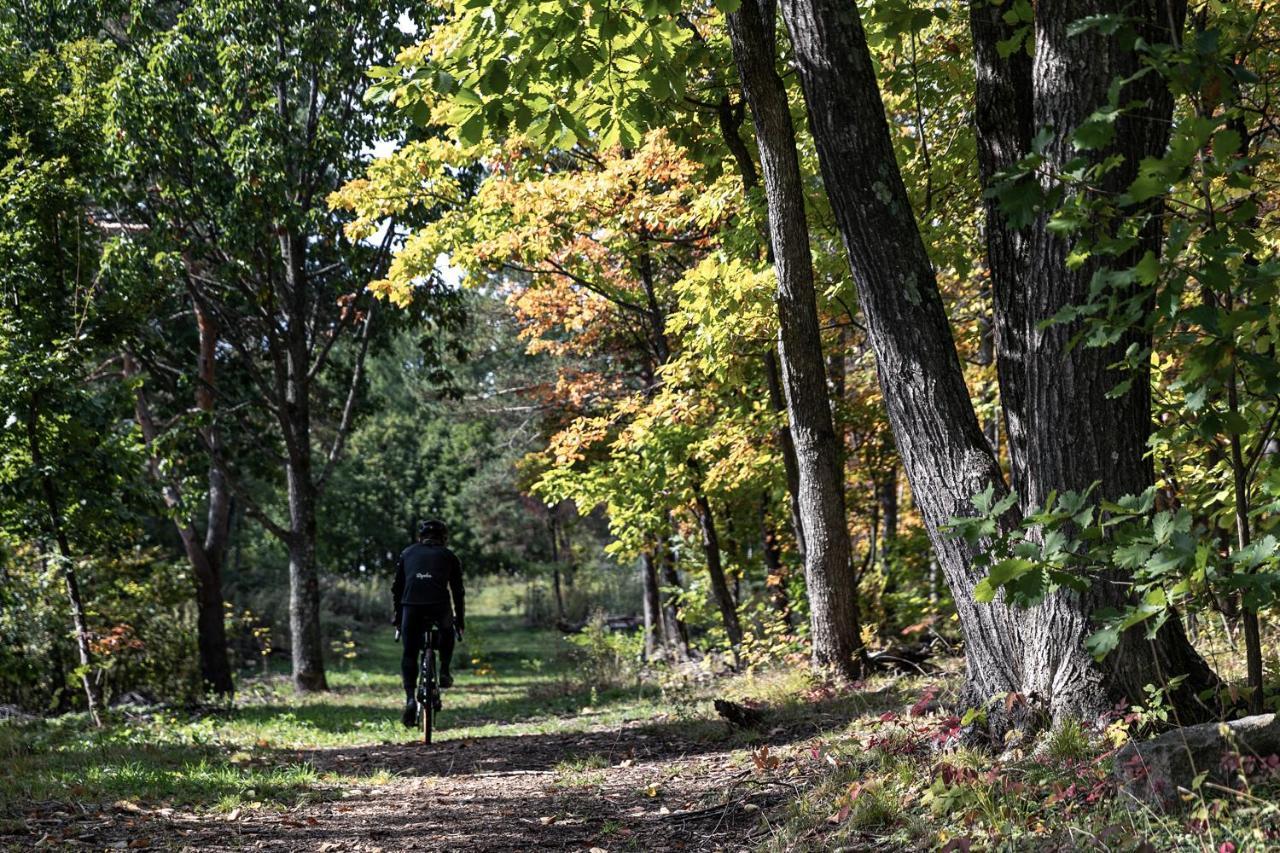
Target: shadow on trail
{"x":639,"y":741}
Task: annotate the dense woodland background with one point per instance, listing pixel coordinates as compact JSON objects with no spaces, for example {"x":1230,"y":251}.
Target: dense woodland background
{"x":920,"y":331}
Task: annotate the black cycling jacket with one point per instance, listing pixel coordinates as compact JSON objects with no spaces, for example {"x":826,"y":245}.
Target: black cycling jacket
{"x":426,"y":575}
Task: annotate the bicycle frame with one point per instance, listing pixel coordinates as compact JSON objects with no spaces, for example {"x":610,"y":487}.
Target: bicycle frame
{"x":428,"y":693}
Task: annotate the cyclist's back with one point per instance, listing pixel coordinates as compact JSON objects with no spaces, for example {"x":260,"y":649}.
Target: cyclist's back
{"x":428,"y":571}
{"x":427,"y":592}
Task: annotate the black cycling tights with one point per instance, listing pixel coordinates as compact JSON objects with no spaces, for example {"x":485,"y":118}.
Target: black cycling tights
{"x":414,"y":622}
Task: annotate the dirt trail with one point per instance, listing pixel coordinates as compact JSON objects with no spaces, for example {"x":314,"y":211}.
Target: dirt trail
{"x":641,"y":787}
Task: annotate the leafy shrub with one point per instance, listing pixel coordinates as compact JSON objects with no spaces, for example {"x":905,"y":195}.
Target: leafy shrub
{"x":606,"y":658}
{"x":141,"y":618}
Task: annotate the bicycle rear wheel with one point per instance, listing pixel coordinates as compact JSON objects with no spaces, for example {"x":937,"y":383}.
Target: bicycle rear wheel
{"x":427,"y":708}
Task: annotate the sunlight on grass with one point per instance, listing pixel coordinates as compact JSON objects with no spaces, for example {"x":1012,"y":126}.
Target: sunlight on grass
{"x":510,"y":680}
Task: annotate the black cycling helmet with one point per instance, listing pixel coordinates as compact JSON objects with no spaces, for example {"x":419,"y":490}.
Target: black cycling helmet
{"x":434,"y":529}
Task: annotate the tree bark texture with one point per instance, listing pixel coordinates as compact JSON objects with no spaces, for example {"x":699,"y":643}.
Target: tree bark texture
{"x":1066,"y":432}
{"x":829,"y":579}
{"x":944,"y":452}
{"x":306,"y":637}
{"x":787,"y":446}
{"x":946,"y":456}
{"x":1005,"y":123}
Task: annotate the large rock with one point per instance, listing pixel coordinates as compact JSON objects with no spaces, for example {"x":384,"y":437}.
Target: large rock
{"x":1154,"y":771}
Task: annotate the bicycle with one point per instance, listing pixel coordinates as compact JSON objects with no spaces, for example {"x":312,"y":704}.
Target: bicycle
{"x":428,"y":693}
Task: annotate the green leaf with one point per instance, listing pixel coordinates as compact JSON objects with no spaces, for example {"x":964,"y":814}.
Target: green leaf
{"x":467,"y":96}
{"x":498,"y":77}
{"x":472,"y":130}
{"x":1102,"y":642}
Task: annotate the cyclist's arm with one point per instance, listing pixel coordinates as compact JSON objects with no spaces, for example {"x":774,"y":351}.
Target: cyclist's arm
{"x":459,"y":595}
{"x":397,"y":592}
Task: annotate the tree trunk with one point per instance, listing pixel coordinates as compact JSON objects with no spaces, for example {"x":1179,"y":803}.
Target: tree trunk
{"x":1004,"y":120}
{"x":828,"y":572}
{"x":946,"y":456}
{"x":555,"y":568}
{"x":787,"y":446}
{"x":306,"y":637}
{"x":215,"y":667}
{"x":886,"y":489}
{"x":653,"y":639}
{"x":673,"y":626}
{"x":1074,"y":432}
{"x":205,"y":557}
{"x":715,"y":569}
{"x":57,"y":529}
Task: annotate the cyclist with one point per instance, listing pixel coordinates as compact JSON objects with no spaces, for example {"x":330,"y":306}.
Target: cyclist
{"x":427,"y":575}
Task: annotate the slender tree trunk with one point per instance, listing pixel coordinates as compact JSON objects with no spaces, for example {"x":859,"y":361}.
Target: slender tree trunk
{"x":828,"y":573}
{"x":715,"y":570}
{"x":945,"y":454}
{"x":1252,"y":627}
{"x":673,"y":626}
{"x":205,"y":557}
{"x":730,"y":119}
{"x":211,"y":620}
{"x":790,"y":465}
{"x":653,"y":639}
{"x":306,"y":637}
{"x":886,"y":489}
{"x":57,"y":529}
{"x":555,"y":568}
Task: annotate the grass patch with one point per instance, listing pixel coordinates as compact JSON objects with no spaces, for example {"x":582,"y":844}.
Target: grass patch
{"x":509,"y":680}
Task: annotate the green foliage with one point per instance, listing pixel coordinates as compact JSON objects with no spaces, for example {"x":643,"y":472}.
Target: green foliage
{"x":1171,"y":561}
{"x":604,"y":658}
{"x":559,"y":74}
{"x":140,"y":617}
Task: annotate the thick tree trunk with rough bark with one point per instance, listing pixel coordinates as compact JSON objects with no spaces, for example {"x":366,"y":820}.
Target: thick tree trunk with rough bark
{"x":945,"y":455}
{"x":1065,"y":431}
{"x":829,"y":576}
{"x":1004,"y":121}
